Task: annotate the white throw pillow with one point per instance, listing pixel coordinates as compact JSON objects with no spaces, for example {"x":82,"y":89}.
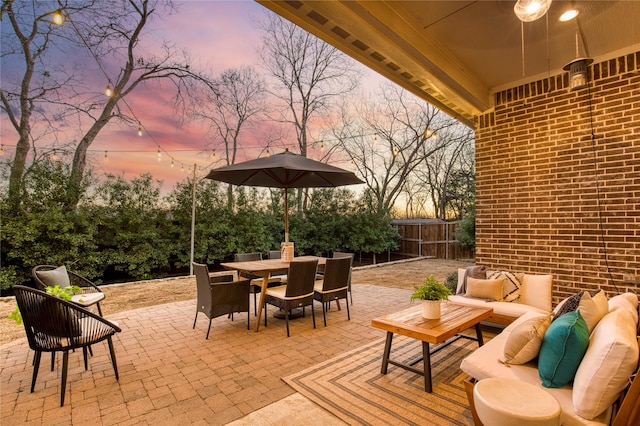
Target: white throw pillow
{"x":610,"y":360}
{"x":536,"y":291}
{"x":593,"y":308}
{"x":490,"y":290}
{"x":524,"y":341}
{"x":54,"y":277}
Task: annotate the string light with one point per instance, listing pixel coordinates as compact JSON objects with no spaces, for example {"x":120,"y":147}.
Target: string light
{"x":395,"y":152}
{"x":1,"y":150}
{"x":181,"y":168}
{"x":105,"y":156}
{"x":159,"y":155}
{"x":172,"y":163}
{"x":268,"y":152}
{"x":54,"y":156}
{"x":58,"y":17}
{"x":322,"y":147}
{"x":108,"y":91}
{"x":213,"y":154}
{"x":139,"y":130}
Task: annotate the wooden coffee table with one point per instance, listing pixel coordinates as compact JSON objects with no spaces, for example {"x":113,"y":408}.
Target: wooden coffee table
{"x":454,"y":319}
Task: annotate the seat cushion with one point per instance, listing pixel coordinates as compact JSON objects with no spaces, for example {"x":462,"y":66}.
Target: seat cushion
{"x":563,"y":346}
{"x":54,"y":277}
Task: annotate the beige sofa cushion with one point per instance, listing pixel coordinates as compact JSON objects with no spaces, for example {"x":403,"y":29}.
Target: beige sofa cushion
{"x":524,"y":341}
{"x":536,"y":291}
{"x":490,"y":290}
{"x":610,"y":360}
{"x":593,"y":308}
{"x":626,"y":301}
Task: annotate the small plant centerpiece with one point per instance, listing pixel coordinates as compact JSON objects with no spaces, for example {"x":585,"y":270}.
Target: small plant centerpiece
{"x":431,"y":292}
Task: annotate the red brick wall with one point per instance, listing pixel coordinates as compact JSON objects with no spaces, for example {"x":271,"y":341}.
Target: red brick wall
{"x":539,"y":174}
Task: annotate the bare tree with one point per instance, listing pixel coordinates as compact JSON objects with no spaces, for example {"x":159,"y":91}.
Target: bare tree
{"x":447,"y":169}
{"x":387,"y":138}
{"x":308,"y":73}
{"x":111,"y":31}
{"x":236,"y":103}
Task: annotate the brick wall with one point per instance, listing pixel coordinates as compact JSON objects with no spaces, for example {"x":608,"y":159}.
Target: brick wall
{"x":539,"y":174}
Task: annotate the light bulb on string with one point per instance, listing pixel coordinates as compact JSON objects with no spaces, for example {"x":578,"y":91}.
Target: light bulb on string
{"x":54,"y":156}
{"x":395,"y":152}
{"x":1,"y":150}
{"x":159,"y":155}
{"x":105,"y":156}
{"x":322,"y":147}
{"x":139,"y":130}
{"x":172,"y":165}
{"x":268,"y":153}
{"x":108,"y":92}
{"x":58,"y":17}
{"x":181,"y":168}
{"x":213,"y":154}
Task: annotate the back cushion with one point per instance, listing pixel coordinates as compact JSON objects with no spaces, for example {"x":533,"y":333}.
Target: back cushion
{"x":54,"y":277}
{"x":536,"y":291}
{"x":605,"y":369}
{"x":626,"y":301}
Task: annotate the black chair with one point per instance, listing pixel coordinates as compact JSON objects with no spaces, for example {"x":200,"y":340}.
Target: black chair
{"x":339,"y":254}
{"x":55,"y":325}
{"x":274,"y":254}
{"x":297,"y":293}
{"x":49,"y":275}
{"x":334,"y":285}
{"x":220,"y":295}
{"x":256,"y":281}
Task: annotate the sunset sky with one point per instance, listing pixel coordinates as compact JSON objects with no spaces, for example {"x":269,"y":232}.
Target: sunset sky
{"x":218,"y":35}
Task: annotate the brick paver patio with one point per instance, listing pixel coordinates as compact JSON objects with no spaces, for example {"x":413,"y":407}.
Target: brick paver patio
{"x":169,"y":373}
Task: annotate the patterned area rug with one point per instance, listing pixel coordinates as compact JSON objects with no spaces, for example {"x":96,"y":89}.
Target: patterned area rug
{"x":351,"y":387}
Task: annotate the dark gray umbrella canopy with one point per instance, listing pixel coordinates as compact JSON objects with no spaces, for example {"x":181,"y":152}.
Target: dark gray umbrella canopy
{"x":285,"y":170}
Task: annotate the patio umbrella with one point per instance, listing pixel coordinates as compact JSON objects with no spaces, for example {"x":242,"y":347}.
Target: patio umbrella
{"x":285,"y":170}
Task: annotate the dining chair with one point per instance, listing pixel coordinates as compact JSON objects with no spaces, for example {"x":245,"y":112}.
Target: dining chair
{"x":49,"y":276}
{"x":334,"y":285}
{"x":256,"y":281}
{"x":339,"y":254}
{"x":220,"y":295}
{"x":55,"y":325}
{"x":297,"y":293}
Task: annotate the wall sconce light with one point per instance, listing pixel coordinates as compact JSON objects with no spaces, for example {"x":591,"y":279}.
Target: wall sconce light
{"x":530,"y":10}
{"x":578,"y":72}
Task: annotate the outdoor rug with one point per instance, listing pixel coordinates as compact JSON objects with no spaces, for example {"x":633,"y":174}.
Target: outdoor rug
{"x":351,"y":387}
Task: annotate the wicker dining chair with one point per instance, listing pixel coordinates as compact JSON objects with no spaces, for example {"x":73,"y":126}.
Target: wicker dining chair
{"x":297,"y":293}
{"x":220,"y":295}
{"x":49,"y":275}
{"x":339,"y":254}
{"x":55,"y":325}
{"x":334,"y":284}
{"x":256,"y":281}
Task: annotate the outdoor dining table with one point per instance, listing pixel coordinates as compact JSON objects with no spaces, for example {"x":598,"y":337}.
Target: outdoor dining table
{"x":264,"y":269}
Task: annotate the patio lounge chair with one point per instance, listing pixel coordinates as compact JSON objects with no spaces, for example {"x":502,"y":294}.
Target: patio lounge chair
{"x":220,"y":295}
{"x":55,"y":325}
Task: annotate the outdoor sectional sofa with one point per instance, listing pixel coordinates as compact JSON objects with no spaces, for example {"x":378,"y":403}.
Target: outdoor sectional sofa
{"x":521,"y":352}
{"x":509,"y":294}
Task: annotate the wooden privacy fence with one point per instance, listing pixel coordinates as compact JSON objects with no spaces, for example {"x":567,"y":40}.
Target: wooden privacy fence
{"x":430,"y":237}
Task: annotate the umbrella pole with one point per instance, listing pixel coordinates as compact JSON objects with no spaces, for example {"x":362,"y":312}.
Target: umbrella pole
{"x":286,"y":215}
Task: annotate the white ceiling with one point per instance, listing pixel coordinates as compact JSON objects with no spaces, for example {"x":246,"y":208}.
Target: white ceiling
{"x":455,"y":54}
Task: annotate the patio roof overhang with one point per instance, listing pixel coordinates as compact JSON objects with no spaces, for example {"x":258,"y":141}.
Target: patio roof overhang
{"x":456,"y":54}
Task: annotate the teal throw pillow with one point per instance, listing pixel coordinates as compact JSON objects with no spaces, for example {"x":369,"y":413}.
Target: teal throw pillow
{"x":563,"y":346}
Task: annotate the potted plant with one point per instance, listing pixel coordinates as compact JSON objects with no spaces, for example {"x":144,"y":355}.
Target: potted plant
{"x":431,"y":292}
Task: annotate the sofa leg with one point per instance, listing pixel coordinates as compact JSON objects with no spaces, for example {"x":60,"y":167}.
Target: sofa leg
{"x":469,"y":383}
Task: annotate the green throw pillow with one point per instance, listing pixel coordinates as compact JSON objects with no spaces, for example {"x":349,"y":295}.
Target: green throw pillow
{"x":563,"y":347}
